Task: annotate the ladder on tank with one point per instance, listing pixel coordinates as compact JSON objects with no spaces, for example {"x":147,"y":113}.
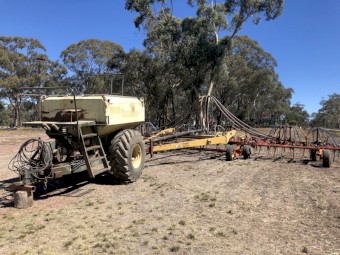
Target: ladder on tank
{"x":93,"y":151}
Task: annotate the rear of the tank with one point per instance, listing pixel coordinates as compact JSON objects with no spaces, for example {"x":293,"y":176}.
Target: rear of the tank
{"x":69,"y":109}
{"x":111,"y":113}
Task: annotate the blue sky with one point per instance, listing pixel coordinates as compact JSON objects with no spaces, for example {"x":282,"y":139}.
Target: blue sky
{"x":305,"y":39}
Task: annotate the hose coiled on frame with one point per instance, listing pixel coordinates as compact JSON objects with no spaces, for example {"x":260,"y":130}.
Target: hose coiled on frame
{"x":34,"y":156}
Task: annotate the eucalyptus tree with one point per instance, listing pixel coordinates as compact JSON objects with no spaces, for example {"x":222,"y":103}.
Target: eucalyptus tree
{"x":88,"y":59}
{"x":329,"y":114}
{"x":147,"y":76}
{"x":139,"y":69}
{"x":23,"y":64}
{"x":194,"y":49}
{"x":251,"y":89}
{"x":198,"y":38}
{"x":297,"y":115}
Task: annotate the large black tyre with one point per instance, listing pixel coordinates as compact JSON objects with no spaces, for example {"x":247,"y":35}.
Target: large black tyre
{"x":246,"y":151}
{"x":127,"y":155}
{"x":326,"y":160}
{"x":229,"y":152}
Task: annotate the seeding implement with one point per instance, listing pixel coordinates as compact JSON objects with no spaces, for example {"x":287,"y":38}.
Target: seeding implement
{"x":318,"y":141}
{"x":97,"y":134}
{"x":93,"y":133}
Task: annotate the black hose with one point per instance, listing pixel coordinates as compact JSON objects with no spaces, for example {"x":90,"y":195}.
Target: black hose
{"x":237,"y":122}
{"x":34,"y":156}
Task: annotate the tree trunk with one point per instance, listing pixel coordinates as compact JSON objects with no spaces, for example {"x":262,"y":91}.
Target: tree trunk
{"x":211,"y":86}
{"x":17,"y":118}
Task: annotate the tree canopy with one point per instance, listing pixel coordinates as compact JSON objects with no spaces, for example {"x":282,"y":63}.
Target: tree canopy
{"x":88,"y":59}
{"x":329,"y":113}
{"x":23,"y":64}
{"x":196,"y":39}
{"x":297,"y":115}
{"x":182,"y":59}
{"x":251,"y":88}
{"x":189,"y":57}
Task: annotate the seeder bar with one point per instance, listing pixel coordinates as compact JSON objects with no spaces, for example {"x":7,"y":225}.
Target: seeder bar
{"x":194,"y":143}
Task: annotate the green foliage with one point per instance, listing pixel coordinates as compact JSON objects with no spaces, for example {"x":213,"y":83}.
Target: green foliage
{"x":186,"y":57}
{"x":247,"y":84}
{"x":196,"y":39}
{"x":23,"y":64}
{"x":88,"y":59}
{"x":147,"y":76}
{"x":329,"y":114}
{"x":229,"y":14}
{"x":183,"y":59}
{"x":5,"y":119}
{"x":250,"y":86}
{"x":297,"y":116}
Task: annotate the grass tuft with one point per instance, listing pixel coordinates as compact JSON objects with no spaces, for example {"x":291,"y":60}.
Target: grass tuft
{"x":89,"y":203}
{"x":220,"y":234}
{"x":304,"y":249}
{"x":181,"y":222}
{"x":174,"y":248}
{"x":68,"y":244}
{"x":212,"y":229}
{"x":190,"y":236}
{"x":234,"y":231}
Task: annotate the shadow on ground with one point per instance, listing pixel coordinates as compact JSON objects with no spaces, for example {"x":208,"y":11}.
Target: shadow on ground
{"x":74,"y":185}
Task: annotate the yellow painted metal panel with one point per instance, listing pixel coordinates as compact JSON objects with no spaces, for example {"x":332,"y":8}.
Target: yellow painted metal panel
{"x":223,"y":139}
{"x":163,"y":132}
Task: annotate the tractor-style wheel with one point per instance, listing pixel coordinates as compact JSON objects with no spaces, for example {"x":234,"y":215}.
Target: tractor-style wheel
{"x":326,"y":161}
{"x":229,"y":152}
{"x":127,"y":155}
{"x":246,"y":151}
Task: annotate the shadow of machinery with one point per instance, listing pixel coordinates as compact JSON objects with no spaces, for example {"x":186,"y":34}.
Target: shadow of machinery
{"x":73,"y":185}
{"x":6,"y":199}
{"x":285,"y":159}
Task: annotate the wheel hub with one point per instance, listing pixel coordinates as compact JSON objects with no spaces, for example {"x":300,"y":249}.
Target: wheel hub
{"x":136,"y":156}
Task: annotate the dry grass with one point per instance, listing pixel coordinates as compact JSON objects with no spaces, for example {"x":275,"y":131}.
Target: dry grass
{"x":193,"y":205}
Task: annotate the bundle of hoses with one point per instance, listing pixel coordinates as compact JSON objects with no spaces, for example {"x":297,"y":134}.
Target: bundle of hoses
{"x":34,"y":156}
{"x":236,"y":122}
{"x":327,"y":131}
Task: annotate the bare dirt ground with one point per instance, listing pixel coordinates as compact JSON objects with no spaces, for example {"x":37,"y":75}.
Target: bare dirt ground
{"x":184,"y":203}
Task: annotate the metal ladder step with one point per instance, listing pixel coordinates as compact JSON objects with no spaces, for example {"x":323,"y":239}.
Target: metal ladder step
{"x":96,"y":164}
{"x":90,"y":135}
{"x":92,"y":148}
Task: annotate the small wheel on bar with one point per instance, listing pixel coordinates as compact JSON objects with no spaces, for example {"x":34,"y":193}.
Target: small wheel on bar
{"x":326,"y":159}
{"x":229,"y":152}
{"x":246,"y":151}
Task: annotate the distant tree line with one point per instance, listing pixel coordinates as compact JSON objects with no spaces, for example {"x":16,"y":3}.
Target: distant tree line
{"x":182,"y":59}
